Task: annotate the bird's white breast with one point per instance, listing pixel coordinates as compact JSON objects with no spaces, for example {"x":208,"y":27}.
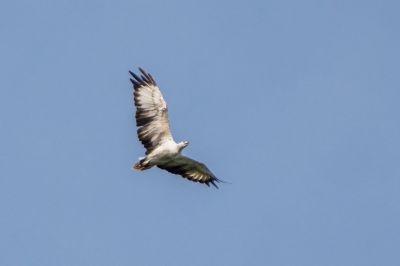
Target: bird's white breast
{"x":164,"y":152}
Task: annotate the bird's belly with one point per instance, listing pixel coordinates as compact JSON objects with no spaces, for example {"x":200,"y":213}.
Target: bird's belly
{"x":162,"y":155}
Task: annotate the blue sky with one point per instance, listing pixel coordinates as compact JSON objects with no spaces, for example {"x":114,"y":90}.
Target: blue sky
{"x":295,"y":103}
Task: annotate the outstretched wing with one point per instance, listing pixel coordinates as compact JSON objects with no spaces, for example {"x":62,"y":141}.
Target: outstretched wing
{"x":151,"y":111}
{"x":190,"y":169}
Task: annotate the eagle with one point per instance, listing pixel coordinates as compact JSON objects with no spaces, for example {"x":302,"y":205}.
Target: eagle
{"x":155,"y":134}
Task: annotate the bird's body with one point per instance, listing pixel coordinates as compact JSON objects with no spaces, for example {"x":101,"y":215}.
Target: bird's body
{"x":154,"y":133}
{"x":160,"y":155}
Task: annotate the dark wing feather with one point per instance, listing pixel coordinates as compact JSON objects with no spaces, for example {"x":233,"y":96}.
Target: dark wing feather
{"x":151,"y":111}
{"x":190,"y":169}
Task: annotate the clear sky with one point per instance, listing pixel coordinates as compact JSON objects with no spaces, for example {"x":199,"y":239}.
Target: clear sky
{"x":295,"y":103}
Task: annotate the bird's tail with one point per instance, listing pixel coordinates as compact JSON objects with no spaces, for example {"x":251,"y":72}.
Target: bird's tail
{"x":141,"y":165}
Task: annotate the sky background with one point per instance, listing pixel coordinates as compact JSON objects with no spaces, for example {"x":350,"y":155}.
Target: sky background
{"x":295,"y":103}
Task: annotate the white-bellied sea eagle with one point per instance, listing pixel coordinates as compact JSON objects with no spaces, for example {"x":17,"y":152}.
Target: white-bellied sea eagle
{"x":154,"y":133}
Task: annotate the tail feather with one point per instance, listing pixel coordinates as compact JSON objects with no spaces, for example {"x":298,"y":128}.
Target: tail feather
{"x":141,"y":165}
{"x":138,"y":166}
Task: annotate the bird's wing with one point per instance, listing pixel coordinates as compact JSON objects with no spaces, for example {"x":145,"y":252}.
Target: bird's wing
{"x":151,"y":111}
{"x":190,"y":169}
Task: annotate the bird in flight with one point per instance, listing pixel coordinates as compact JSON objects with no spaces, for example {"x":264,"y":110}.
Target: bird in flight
{"x":154,"y":133}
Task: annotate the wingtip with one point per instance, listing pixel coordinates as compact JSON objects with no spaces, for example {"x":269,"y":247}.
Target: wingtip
{"x":144,"y":79}
{"x":142,"y":70}
{"x":214,"y":182}
{"x":215,"y":185}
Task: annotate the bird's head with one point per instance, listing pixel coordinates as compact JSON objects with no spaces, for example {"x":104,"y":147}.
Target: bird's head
{"x":182,"y":145}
